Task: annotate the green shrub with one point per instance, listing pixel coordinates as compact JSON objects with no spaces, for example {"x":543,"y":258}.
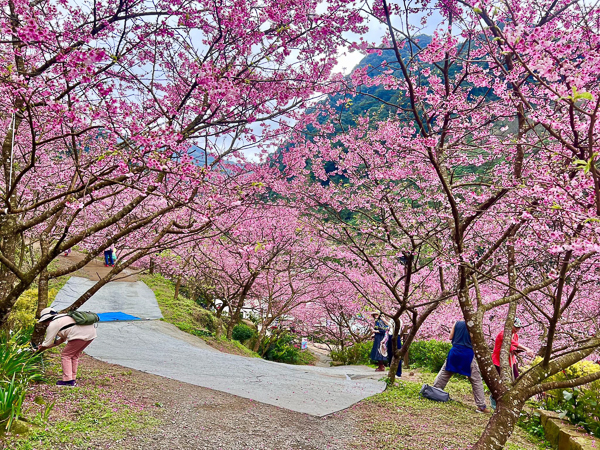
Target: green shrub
{"x":358,"y":353}
{"x":579,"y":405}
{"x":429,"y":354}
{"x":532,"y":424}
{"x":18,"y":366}
{"x":280,"y":347}
{"x":242,"y":332}
{"x":17,"y":359}
{"x":12,"y":395}
{"x":579,"y":369}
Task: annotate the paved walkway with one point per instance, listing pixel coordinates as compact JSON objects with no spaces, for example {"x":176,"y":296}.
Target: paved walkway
{"x":135,"y":299}
{"x":161,"y":349}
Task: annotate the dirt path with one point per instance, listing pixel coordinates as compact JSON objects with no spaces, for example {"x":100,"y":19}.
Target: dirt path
{"x":322,"y":355}
{"x":191,"y":417}
{"x":95,"y":269}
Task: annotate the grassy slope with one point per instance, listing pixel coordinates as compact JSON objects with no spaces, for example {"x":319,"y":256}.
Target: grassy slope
{"x":188,"y":316}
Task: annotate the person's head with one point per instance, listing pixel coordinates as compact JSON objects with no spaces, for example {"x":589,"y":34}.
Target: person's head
{"x":47,"y":314}
{"x":517,"y":325}
{"x":375,"y":315}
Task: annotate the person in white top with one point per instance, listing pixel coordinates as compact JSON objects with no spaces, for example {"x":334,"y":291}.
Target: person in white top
{"x":62,"y":329}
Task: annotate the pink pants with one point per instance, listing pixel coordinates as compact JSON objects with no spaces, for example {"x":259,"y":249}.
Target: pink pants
{"x":70,"y":358}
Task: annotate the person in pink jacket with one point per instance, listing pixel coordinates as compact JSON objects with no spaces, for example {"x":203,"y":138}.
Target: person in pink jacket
{"x":62,"y":329}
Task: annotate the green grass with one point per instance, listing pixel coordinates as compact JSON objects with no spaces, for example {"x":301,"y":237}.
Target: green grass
{"x":95,"y":416}
{"x":225,"y":345}
{"x":75,"y":417}
{"x":399,"y":419}
{"x":458,"y":386}
{"x":184,"y":313}
{"x":191,"y":318}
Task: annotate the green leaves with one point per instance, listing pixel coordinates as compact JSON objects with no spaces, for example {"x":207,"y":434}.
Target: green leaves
{"x":578,"y":96}
{"x":18,"y":366}
{"x":585,"y":165}
{"x":580,"y":407}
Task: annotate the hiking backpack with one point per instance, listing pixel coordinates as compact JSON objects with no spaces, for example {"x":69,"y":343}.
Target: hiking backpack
{"x":81,"y":318}
{"x":433,"y":393}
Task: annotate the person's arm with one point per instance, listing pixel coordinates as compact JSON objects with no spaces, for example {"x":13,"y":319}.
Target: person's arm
{"x":515,"y":346}
{"x":525,"y":349}
{"x":51,"y":339}
{"x":43,"y":347}
{"x":452,"y":332}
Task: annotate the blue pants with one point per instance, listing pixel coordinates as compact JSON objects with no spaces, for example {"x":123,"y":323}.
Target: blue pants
{"x":108,"y":258}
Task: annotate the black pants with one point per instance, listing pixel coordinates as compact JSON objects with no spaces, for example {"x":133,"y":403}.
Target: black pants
{"x":515,"y":370}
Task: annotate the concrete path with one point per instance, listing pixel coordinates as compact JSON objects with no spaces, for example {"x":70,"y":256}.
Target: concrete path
{"x":136,"y":298}
{"x":161,"y":349}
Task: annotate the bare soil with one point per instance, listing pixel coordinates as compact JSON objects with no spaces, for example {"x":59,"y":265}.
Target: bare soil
{"x":95,"y":269}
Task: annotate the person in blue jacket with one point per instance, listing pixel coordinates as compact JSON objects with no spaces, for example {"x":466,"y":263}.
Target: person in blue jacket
{"x":461,"y":360}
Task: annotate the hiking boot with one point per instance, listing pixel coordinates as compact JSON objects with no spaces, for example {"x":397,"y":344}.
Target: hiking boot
{"x":484,"y":410}
{"x":65,"y":383}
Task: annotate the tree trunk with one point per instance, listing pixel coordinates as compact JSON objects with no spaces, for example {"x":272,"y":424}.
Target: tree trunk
{"x":177,"y":286}
{"x":406,"y":351}
{"x":394,"y":367}
{"x":234,"y":319}
{"x":218,"y":314}
{"x":9,"y":244}
{"x":40,"y":328}
{"x":501,"y":424}
{"x":261,"y":335}
{"x":230,"y":325}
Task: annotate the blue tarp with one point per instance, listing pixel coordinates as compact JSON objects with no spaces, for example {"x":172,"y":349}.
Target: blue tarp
{"x":114,"y":316}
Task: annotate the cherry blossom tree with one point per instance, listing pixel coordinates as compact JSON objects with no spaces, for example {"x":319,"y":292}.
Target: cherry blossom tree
{"x":496,"y":128}
{"x":260,"y":259}
{"x":384,"y":238}
{"x":128,"y":101}
{"x":338,"y":318}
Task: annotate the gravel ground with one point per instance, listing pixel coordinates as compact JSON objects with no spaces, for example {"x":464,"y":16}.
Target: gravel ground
{"x":198,"y":418}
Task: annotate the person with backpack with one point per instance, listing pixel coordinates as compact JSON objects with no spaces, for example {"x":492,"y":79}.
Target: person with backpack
{"x":461,"y":360}
{"x":64,"y":328}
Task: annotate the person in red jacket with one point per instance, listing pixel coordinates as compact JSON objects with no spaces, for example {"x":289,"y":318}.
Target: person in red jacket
{"x":514,"y":348}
